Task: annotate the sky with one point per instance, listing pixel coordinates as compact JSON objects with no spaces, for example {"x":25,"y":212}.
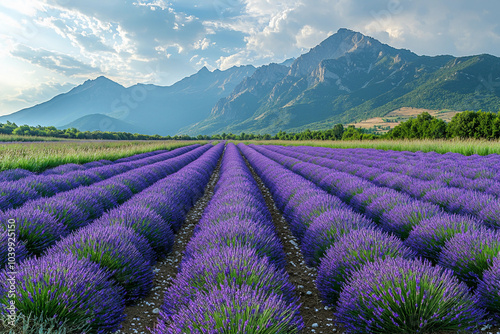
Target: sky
{"x":49,"y":46}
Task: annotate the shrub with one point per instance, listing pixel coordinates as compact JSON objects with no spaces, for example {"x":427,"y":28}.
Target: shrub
{"x":308,"y":210}
{"x":63,"y":210}
{"x":401,"y":219}
{"x":113,"y":248}
{"x":146,"y":223}
{"x":350,"y":253}
{"x":169,"y":209}
{"x":21,"y":252}
{"x":490,"y":214}
{"x":75,"y":292}
{"x":327,"y":229}
{"x":469,"y":254}
{"x":84,"y":200}
{"x":431,"y":234}
{"x":488,"y":289}
{"x":39,"y":230}
{"x":13,"y":195}
{"x":227,"y":265}
{"x":235,"y":310}
{"x":397,"y":295}
{"x":443,"y":197}
{"x":238,"y":233}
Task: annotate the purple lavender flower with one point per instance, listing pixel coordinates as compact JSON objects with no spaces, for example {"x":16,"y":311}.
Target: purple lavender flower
{"x":327,"y":229}
{"x":13,"y":195}
{"x":350,"y":253}
{"x":470,"y":253}
{"x":145,"y":222}
{"x":227,"y":265}
{"x":72,"y":290}
{"x":84,"y":200}
{"x":309,"y":209}
{"x":401,"y":219}
{"x":444,"y":197}
{"x":490,"y":214}
{"x":19,"y":249}
{"x":63,"y":210}
{"x":119,"y":192}
{"x":384,"y":203}
{"x":61,"y":169}
{"x":488,"y":289}
{"x":360,"y":201}
{"x":37,"y":229}
{"x":227,"y":212}
{"x":239,"y":233}
{"x":108,"y":246}
{"x":234,"y":309}
{"x":168,"y":208}
{"x":430,"y":235}
{"x":14,"y":174}
{"x":397,"y":295}
{"x":471,"y":202}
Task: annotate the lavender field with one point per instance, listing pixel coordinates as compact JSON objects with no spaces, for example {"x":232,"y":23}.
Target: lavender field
{"x":225,"y":238}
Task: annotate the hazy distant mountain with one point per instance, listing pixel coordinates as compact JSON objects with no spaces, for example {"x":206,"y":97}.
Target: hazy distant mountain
{"x":100,"y":122}
{"x":351,"y":77}
{"x":155,"y":109}
{"x":91,"y":97}
{"x":346,"y":78}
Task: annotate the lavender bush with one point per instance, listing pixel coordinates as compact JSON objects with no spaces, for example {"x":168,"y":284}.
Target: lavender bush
{"x":144,"y":222}
{"x":327,"y":229}
{"x":397,"y":295}
{"x":469,"y":254}
{"x":350,"y":253}
{"x":227,"y":265}
{"x":113,"y":248}
{"x":75,"y":292}
{"x":430,"y":235}
{"x":235,"y":310}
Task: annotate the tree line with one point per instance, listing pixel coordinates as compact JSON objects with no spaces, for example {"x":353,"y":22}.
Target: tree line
{"x":464,"y":125}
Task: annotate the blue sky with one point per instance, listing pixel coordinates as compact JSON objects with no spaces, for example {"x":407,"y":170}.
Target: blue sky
{"x":50,"y":46}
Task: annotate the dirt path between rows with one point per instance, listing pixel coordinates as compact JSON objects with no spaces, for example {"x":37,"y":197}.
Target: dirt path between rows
{"x":317,"y":317}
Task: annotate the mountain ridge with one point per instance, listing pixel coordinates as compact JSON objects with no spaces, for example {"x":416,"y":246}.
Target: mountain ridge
{"x":346,"y":78}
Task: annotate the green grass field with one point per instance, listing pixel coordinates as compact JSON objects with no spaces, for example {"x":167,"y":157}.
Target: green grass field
{"x":38,"y":156}
{"x":465,"y":147}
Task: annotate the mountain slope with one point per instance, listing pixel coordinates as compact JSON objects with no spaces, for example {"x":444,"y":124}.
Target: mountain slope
{"x":155,"y":109}
{"x":350,"y":77}
{"x":100,"y":122}
{"x":93,"y":96}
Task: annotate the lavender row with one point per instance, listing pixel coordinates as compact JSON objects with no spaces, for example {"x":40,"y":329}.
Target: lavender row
{"x":19,"y":173}
{"x":16,"y":193}
{"x":483,"y":176}
{"x":371,"y":277}
{"x":482,"y":207}
{"x":41,"y":222}
{"x":87,"y":278}
{"x":471,"y":167}
{"x":231,"y":277}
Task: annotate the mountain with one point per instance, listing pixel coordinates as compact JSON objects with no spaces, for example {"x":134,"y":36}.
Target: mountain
{"x":100,"y":122}
{"x":351,"y":77}
{"x":91,"y":97}
{"x":155,"y":109}
{"x":347,"y":78}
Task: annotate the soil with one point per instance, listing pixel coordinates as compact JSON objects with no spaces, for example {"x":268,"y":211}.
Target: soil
{"x":142,"y":316}
{"x":317,"y":317}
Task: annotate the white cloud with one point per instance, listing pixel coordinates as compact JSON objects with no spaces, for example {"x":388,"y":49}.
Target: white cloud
{"x":240,"y":58}
{"x":161,"y":41}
